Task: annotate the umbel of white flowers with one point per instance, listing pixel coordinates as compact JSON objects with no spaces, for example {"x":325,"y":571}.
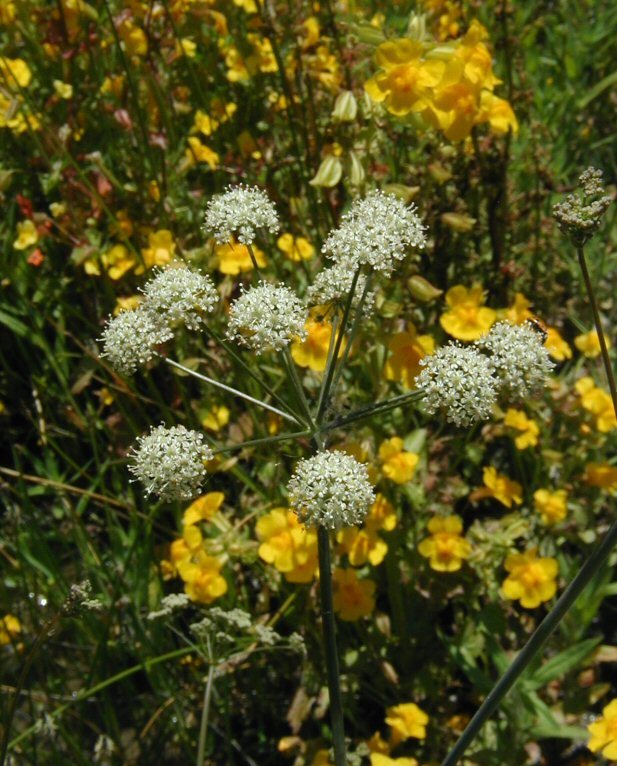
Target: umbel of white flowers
{"x":240,"y":210}
{"x":330,"y":489}
{"x":464,"y":382}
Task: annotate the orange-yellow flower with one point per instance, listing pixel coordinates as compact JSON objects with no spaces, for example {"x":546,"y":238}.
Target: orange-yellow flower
{"x":10,"y":628}
{"x":14,"y":73}
{"x":556,"y":345}
{"x":27,"y":235}
{"x":519,"y":311}
{"x":406,"y":720}
{"x":216,"y":418}
{"x":467,"y":318}
{"x":446,"y":548}
{"x":234,"y":257}
{"x":497,"y":112}
{"x":312,"y":352}
{"x":381,"y":516}
{"x":361,"y":545}
{"x":397,"y":464}
{"x":202,"y":579}
{"x":601,"y":475}
{"x":161,"y":249}
{"x":406,"y":351}
{"x":604,"y":732}
{"x":457,"y":106}
{"x":381,"y":759}
{"x":529,"y":431}
{"x":589,"y":344}
{"x":405,"y":83}
{"x":295,"y":248}
{"x":134,"y":39}
{"x":598,"y":402}
{"x":500,"y":487}
{"x":531,"y":580}
{"x":204,"y":508}
{"x":552,"y":506}
{"x":353,"y":598}
{"x":200,"y":153}
{"x":287,"y":545}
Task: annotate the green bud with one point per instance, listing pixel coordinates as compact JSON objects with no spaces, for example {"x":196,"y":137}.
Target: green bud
{"x":345,"y":107}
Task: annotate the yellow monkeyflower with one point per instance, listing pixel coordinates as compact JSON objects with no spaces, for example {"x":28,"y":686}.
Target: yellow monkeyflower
{"x":247,"y":5}
{"x":467,"y":318}
{"x":499,"y":486}
{"x":457,"y":105}
{"x":313,"y":351}
{"x":353,"y":598}
{"x":14,"y":73}
{"x":589,"y":344}
{"x":497,"y":112}
{"x":406,"y":82}
{"x":552,"y":506}
{"x":266,"y":60}
{"x":202,"y":579}
{"x":234,"y":257}
{"x":10,"y":627}
{"x":603,"y":732}
{"x":519,"y":311}
{"x":381,"y":515}
{"x":7,"y":13}
{"x":529,"y":431}
{"x":63,"y":89}
{"x":127,"y":303}
{"x":216,"y":418}
{"x":556,"y":346}
{"x":161,"y":249}
{"x":287,"y":545}
{"x":361,"y":545}
{"x":186,"y":47}
{"x":531,"y":580}
{"x":116,"y":261}
{"x":134,"y":39}
{"x":406,"y":720}
{"x":237,"y":68}
{"x":204,"y":508}
{"x":27,"y":235}
{"x":446,"y":548}
{"x":381,"y":759}
{"x":598,"y":402}
{"x":601,"y":475}
{"x":397,"y":464}
{"x":295,"y":248}
{"x":406,"y":350}
{"x":200,"y":153}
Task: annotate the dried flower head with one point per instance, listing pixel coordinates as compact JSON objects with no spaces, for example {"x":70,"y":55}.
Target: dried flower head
{"x":267,"y":317}
{"x":169,"y":462}
{"x":331,"y":286}
{"x":458,"y":380}
{"x":129,"y":339}
{"x":580,"y":214}
{"x":518,"y":357}
{"x":240,"y":210}
{"x":179,"y":294}
{"x":376,"y":231}
{"x":330,"y":489}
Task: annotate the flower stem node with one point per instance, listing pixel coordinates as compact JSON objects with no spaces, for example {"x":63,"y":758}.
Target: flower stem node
{"x":170,"y":462}
{"x":331,"y":490}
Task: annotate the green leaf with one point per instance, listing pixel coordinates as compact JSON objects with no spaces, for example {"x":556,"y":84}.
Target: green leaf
{"x":598,"y":88}
{"x":561,"y":663}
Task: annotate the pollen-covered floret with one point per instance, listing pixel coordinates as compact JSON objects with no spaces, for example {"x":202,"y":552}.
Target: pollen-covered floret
{"x":179,"y":294}
{"x":170,"y":462}
{"x":458,"y":380}
{"x":332,"y":286}
{"x":130,"y":338}
{"x":376,"y":231}
{"x":518,"y":357}
{"x":240,"y":210}
{"x":330,"y":489}
{"x":267,"y":317}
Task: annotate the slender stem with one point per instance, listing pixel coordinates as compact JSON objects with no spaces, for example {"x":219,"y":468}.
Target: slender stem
{"x":534,"y":644}
{"x":297,"y":384}
{"x":231,"y":390}
{"x":253,"y":258}
{"x":329,"y":634}
{"x":373,"y":409}
{"x":203,"y":727}
{"x":596,"y":318}
{"x":265,"y":440}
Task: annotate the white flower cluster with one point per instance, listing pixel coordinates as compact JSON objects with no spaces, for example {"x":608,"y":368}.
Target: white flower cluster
{"x":169,"y":462}
{"x":240,"y":210}
{"x":517,"y":356}
{"x":129,"y":339}
{"x":332,"y":286}
{"x":181,"y":295}
{"x":459,"y":381}
{"x":267,"y":317}
{"x":376,"y":231}
{"x":330,"y":489}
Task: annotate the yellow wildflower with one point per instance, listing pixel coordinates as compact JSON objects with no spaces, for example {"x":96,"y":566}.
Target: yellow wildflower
{"x":116,"y":262}
{"x":529,"y":428}
{"x":446,"y":547}
{"x":10,"y":627}
{"x":202,"y":579}
{"x":216,"y":418}
{"x":601,"y":475}
{"x":531,"y":580}
{"x":204,"y":508}
{"x":381,"y":759}
{"x":14,"y":74}
{"x":405,"y":83}
{"x":397,"y":464}
{"x":27,"y":235}
{"x":361,"y":545}
{"x":589,"y":344}
{"x":234,"y":257}
{"x":552,"y":506}
{"x":247,"y":5}
{"x":161,"y":249}
{"x":353,"y":598}
{"x":322,"y":758}
{"x":186,"y":47}
{"x":475,"y":58}
{"x":406,"y":720}
{"x":324,"y":67}
{"x":266,"y":61}
{"x":237,"y":70}
{"x":468,"y":318}
{"x":7,"y":13}
{"x":310,"y":32}
{"x":198,"y":152}
{"x":113,"y":85}
{"x":295,"y":248}
{"x":497,"y":112}
{"x":603,"y":732}
{"x":598,"y":402}
{"x":519,"y":311}
{"x":556,"y":345}
{"x":406,"y":350}
{"x":456,"y":110}
{"x":134,"y":39}
{"x":381,"y":516}
{"x":313,"y":351}
{"x":127,"y":303}
{"x":63,"y":89}
{"x":287,"y":545}
{"x":499,"y":486}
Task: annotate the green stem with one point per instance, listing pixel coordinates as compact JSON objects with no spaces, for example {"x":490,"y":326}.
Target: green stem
{"x":329,"y":634}
{"x":373,"y":409}
{"x":265,"y":440}
{"x":203,"y":727}
{"x":297,"y":384}
{"x":533,"y":645}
